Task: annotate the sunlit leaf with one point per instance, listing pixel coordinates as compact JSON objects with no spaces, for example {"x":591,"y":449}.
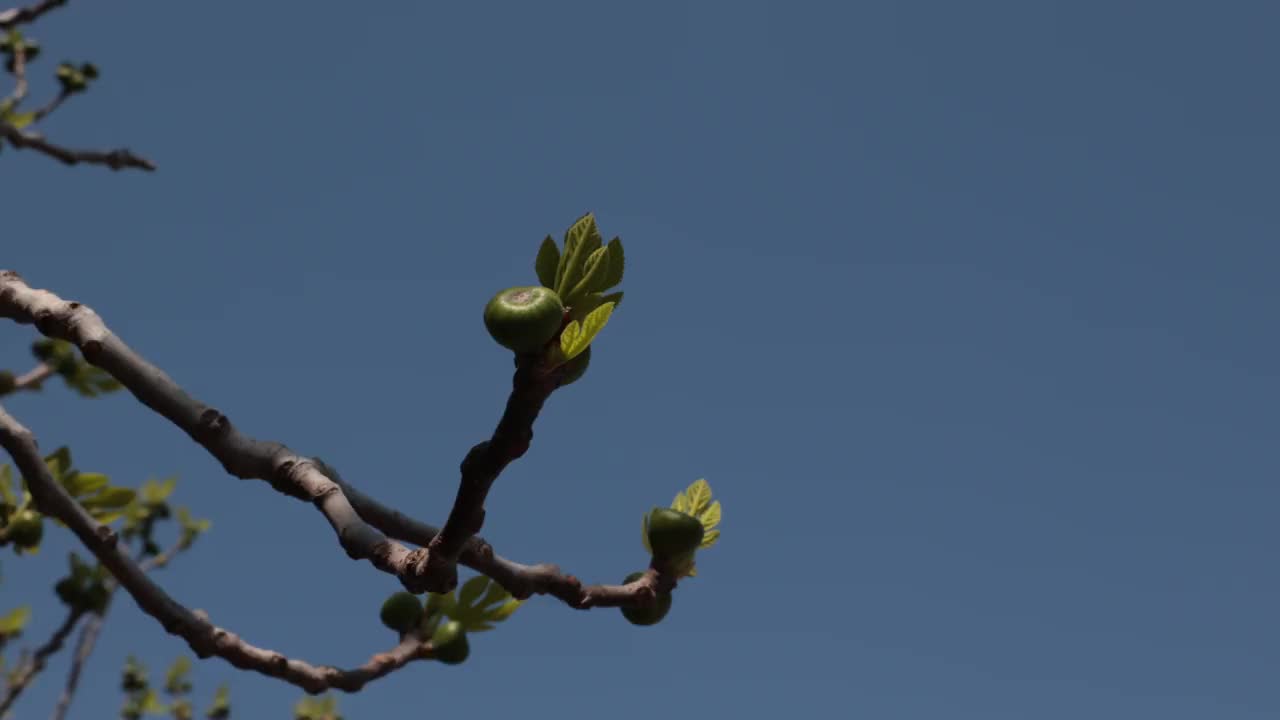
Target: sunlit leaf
{"x":699,"y":496}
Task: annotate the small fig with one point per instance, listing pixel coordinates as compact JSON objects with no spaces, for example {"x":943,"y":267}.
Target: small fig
{"x":576,"y":367}
{"x":26,"y":529}
{"x":449,"y":643}
{"x":649,"y":614}
{"x":524,"y":319}
{"x":673,"y":534}
{"x":401,"y":612}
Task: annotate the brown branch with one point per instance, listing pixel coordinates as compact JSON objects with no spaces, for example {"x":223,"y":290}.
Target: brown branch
{"x":115,"y":159}
{"x":355,"y":517}
{"x":89,"y":633}
{"x":30,"y":380}
{"x":240,"y":455}
{"x":530,"y":389}
{"x":19,"y":15}
{"x":19,"y":78}
{"x":204,"y":638}
{"x":84,"y":648}
{"x":24,"y":675}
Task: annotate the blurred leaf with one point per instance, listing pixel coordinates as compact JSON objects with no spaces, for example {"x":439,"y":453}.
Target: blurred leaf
{"x":83,"y":483}
{"x":680,"y":503}
{"x":15,"y":620}
{"x":503,"y":611}
{"x":110,"y":498}
{"x":547,"y":262}
{"x":710,"y":517}
{"x":157,"y":491}
{"x":151,"y":704}
{"x":221,"y":707}
{"x":472,"y":590}
{"x":6,"y":488}
{"x":710,"y":538}
{"x":19,"y":120}
{"x":175,"y":678}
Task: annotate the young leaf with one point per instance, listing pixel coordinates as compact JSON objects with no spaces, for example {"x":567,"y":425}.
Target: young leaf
{"x":710,"y":517}
{"x":699,"y":495}
{"x":84,"y":483}
{"x":112,"y":497}
{"x":12,"y":623}
{"x":615,"y":298}
{"x":581,"y":239}
{"x":503,"y":611}
{"x":175,"y":678}
{"x":6,"y":490}
{"x":597,"y":267}
{"x":616,"y":265}
{"x":709,"y":538}
{"x":472,"y":590}
{"x":591,"y":326}
{"x":547,"y":262}
{"x":569,"y":337}
{"x":680,"y":503}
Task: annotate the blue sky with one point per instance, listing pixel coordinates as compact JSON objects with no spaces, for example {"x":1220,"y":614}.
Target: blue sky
{"x":965,"y":310}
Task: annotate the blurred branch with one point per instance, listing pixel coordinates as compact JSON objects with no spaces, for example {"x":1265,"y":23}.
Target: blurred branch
{"x":17,"y":16}
{"x":32,"y":379}
{"x":27,"y":672}
{"x":115,"y":159}
{"x":89,"y":633}
{"x":357,"y":519}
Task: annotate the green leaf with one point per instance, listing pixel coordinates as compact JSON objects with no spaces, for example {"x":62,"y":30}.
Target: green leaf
{"x":496,"y":594}
{"x":19,"y":120}
{"x":12,"y":623}
{"x":710,"y":517}
{"x":680,"y":503}
{"x":580,"y":240}
{"x":597,"y":267}
{"x":591,"y":326}
{"x":547,"y":262}
{"x":709,"y":538}
{"x":84,"y":483}
{"x":157,"y":491}
{"x":175,"y":678}
{"x":503,"y":611}
{"x":615,"y":298}
{"x":699,"y":496}
{"x":110,"y":498}
{"x":616,"y":265}
{"x":151,"y":704}
{"x":569,"y":336}
{"x":472,"y":590}
{"x":59,"y":461}
{"x":443,"y":603}
{"x":6,"y":489}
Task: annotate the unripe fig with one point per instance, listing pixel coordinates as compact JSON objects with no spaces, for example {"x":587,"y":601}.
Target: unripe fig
{"x":524,"y":319}
{"x":673,"y":534}
{"x":26,"y":529}
{"x":651,"y":614}
{"x":576,"y":367}
{"x":401,"y":612}
{"x":449,"y":643}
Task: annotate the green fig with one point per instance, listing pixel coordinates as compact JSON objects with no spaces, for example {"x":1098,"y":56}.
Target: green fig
{"x":673,"y":534}
{"x":524,"y":319}
{"x":26,"y":529}
{"x":649,"y":614}
{"x":401,"y":612}
{"x":576,"y":367}
{"x":449,"y":643}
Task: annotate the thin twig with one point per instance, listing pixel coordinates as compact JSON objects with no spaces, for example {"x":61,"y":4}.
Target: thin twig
{"x":19,"y":78}
{"x":89,"y":633}
{"x":204,"y":638}
{"x":19,"y":15}
{"x":24,"y":675}
{"x":115,"y":159}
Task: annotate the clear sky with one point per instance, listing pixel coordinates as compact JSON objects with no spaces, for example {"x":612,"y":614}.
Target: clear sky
{"x":965,"y":310}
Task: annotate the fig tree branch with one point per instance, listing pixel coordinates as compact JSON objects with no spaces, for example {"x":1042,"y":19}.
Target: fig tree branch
{"x":30,"y":380}
{"x":204,"y":638}
{"x":27,"y":672}
{"x":353,"y":515}
{"x":17,"y":16}
{"x":115,"y":159}
{"x":93,"y":627}
{"x":480,"y":468}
